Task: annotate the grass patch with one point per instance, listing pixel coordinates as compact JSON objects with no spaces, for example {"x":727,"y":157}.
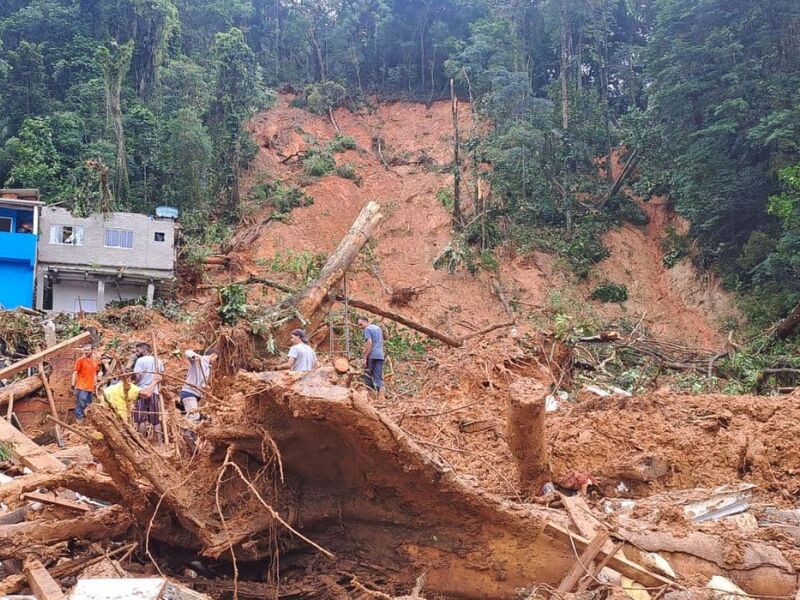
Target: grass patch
{"x":610,"y":292}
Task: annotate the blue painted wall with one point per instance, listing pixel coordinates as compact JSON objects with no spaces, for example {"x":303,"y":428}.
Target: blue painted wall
{"x":17,"y":261}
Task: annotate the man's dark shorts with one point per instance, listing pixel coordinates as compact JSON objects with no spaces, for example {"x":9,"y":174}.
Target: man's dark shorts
{"x":374,"y":375}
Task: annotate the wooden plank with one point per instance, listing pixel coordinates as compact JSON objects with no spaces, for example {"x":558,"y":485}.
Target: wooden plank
{"x":28,"y":453}
{"x":621,"y":565}
{"x":41,"y":583}
{"x":583,"y":565}
{"x":51,"y":498}
{"x":34,"y":359}
{"x":599,"y":567}
{"x":52,"y":403}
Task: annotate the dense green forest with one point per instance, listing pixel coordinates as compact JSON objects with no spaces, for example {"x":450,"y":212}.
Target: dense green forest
{"x":134,"y":103}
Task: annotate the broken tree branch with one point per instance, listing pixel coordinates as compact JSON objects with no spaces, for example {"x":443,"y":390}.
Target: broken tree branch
{"x":787,"y":326}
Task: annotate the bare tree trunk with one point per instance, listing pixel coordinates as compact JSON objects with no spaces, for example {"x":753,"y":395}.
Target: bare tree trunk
{"x":564,"y":76}
{"x":457,"y":218}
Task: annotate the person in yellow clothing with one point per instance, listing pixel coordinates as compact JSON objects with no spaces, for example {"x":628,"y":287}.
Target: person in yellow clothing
{"x":116,"y":397}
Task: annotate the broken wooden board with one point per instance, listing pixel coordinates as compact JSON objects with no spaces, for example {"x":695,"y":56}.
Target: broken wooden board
{"x":54,"y":500}
{"x":34,"y":359}
{"x":41,"y":582}
{"x":28,"y":453}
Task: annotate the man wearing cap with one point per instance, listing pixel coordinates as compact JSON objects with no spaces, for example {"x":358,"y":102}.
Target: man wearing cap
{"x":84,"y":378}
{"x":301,"y":356}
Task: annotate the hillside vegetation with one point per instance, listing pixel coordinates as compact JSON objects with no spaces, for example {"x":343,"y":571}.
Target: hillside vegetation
{"x":129,"y":104}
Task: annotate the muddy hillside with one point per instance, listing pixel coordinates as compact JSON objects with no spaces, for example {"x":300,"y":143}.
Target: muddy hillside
{"x":511,"y":455}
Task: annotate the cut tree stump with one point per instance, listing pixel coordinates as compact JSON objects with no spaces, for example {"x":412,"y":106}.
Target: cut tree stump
{"x":28,"y":453}
{"x":525,"y":431}
{"x":41,"y":583}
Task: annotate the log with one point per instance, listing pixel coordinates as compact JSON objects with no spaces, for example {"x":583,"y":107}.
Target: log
{"x":42,"y":584}
{"x":103,"y":524}
{"x":410,"y":323}
{"x":486,"y":330}
{"x":34,"y":359}
{"x":309,"y":300}
{"x":525,"y":431}
{"x":20,"y":389}
{"x":787,"y":326}
{"x":630,"y":165}
{"x":78,"y":478}
{"x":28,"y":453}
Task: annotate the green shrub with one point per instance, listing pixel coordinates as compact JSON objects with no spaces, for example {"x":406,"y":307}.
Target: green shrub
{"x":610,"y":292}
{"x":488,"y":261}
{"x":347,"y":171}
{"x":630,"y":211}
{"x":584,"y":252}
{"x":318,"y":163}
{"x":342,"y":142}
{"x":233,"y":301}
{"x":445,"y":198}
{"x":674,"y":246}
{"x":305,"y":264}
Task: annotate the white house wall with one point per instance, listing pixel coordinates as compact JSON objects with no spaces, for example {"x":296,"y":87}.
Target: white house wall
{"x":146,"y":254}
{"x":66,"y":293}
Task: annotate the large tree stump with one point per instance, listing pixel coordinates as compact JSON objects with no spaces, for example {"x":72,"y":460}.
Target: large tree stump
{"x":525,"y":431}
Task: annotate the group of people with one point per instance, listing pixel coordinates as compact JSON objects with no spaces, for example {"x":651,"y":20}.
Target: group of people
{"x":301,"y":356}
{"x":137,"y":391}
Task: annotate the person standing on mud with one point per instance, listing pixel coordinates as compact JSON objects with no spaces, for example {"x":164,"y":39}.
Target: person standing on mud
{"x":198,"y":378}
{"x":301,"y":356}
{"x":373,"y":356}
{"x":84,"y":378}
{"x":147,"y":370}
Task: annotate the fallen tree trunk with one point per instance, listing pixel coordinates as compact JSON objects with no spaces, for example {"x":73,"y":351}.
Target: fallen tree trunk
{"x":311,"y":298}
{"x":787,"y":326}
{"x":104,"y":524}
{"x":20,"y":389}
{"x":304,"y":305}
{"x":410,"y":323}
{"x":78,"y":479}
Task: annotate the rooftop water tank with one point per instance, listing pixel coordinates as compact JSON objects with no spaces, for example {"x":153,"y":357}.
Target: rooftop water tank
{"x":167,"y":212}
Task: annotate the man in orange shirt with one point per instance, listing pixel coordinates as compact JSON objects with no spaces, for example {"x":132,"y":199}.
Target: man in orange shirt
{"x":84,"y":378}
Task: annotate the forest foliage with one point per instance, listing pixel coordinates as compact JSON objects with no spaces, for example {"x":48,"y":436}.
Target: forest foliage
{"x":129,"y":104}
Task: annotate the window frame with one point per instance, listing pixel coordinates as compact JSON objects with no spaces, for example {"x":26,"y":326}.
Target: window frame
{"x":10,"y":224}
{"x":163,"y":235}
{"x":75,"y":238}
{"x":119,"y":231}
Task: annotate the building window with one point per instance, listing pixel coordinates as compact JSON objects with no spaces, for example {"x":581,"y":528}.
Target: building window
{"x":160,"y":236}
{"x":85,"y":305}
{"x":5,"y":224}
{"x":119,"y":238}
{"x":68,"y":235}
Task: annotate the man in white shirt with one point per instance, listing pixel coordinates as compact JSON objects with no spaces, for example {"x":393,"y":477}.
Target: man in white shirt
{"x":301,"y":356}
{"x":147,"y":371}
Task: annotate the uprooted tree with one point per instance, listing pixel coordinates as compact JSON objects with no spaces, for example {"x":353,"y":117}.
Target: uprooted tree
{"x":294,"y":465}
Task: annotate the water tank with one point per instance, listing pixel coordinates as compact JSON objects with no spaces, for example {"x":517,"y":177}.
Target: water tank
{"x":167,"y":212}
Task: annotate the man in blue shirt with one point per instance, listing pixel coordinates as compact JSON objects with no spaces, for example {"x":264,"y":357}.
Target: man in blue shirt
{"x":373,"y":356}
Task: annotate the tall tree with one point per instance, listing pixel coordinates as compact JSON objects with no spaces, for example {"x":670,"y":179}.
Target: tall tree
{"x":115,"y":60}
